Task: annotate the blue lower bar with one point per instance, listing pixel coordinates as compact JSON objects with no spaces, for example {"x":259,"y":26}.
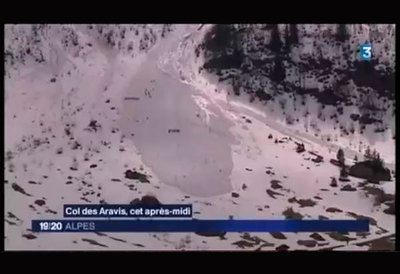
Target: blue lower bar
{"x":200,"y":225}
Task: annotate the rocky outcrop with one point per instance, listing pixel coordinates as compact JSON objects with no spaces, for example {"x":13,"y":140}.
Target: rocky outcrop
{"x":134,"y":175}
{"x":371,"y":171}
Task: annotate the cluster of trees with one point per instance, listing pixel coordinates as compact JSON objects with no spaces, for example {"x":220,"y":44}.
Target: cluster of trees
{"x":280,"y":49}
{"x":374,"y":157}
{"x":341,"y":33}
{"x":235,"y":46}
{"x":371,"y":156}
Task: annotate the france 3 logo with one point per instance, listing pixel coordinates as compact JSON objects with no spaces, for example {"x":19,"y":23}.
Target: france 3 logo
{"x":366,"y":52}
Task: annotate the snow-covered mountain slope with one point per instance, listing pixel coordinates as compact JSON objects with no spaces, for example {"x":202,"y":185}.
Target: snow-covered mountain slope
{"x":311,"y":78}
{"x":75,"y":123}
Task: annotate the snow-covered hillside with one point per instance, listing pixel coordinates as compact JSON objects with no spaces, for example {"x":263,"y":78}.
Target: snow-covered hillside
{"x":87,"y":103}
{"x":311,"y":78}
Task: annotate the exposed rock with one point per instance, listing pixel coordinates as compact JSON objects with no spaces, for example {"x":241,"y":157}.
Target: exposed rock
{"x":307,"y":243}
{"x":134,"y":244}
{"x":362,"y":234}
{"x":335,"y":162}
{"x":282,"y":248}
{"x":9,"y":222}
{"x":317,"y":237}
{"x":272,"y":193}
{"x":333,"y":210}
{"x":319,"y":159}
{"x":275,"y":184}
{"x":302,"y":202}
{"x":266,"y":244}
{"x":235,"y":195}
{"x":93,"y":242}
{"x":51,"y":211}
{"x":278,"y":235}
{"x":148,"y":200}
{"x":135,"y":201}
{"x":386,"y":243}
{"x":243,"y":244}
{"x":360,"y":217}
{"x":246,"y":236}
{"x":340,"y":237}
{"x":29,"y":236}
{"x":19,"y":189}
{"x":134,"y":175}
{"x":306,"y":203}
{"x":391,"y":209}
{"x":348,"y":188}
{"x":11,"y":215}
{"x":211,"y":233}
{"x":93,"y":125}
{"x":40,"y":202}
{"x":380,"y":195}
{"x":371,"y":171}
{"x":289,"y":213}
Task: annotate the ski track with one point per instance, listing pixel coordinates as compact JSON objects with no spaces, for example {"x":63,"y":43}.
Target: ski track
{"x":107,"y":76}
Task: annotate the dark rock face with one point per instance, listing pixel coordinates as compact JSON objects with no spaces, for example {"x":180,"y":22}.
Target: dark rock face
{"x":40,"y":202}
{"x":370,"y":171}
{"x":307,"y":243}
{"x":134,"y":175}
{"x":135,"y":201}
{"x":146,"y":200}
{"x":29,"y":236}
{"x":150,"y":200}
{"x":289,"y":213}
{"x":278,"y":235}
{"x":17,"y":188}
{"x":317,"y":237}
{"x":211,"y":233}
{"x":333,"y":210}
{"x":275,"y":184}
{"x":282,"y":248}
{"x":348,"y":188}
{"x":391,"y":209}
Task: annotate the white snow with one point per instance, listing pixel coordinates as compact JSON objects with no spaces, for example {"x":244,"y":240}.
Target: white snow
{"x":85,"y":82}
